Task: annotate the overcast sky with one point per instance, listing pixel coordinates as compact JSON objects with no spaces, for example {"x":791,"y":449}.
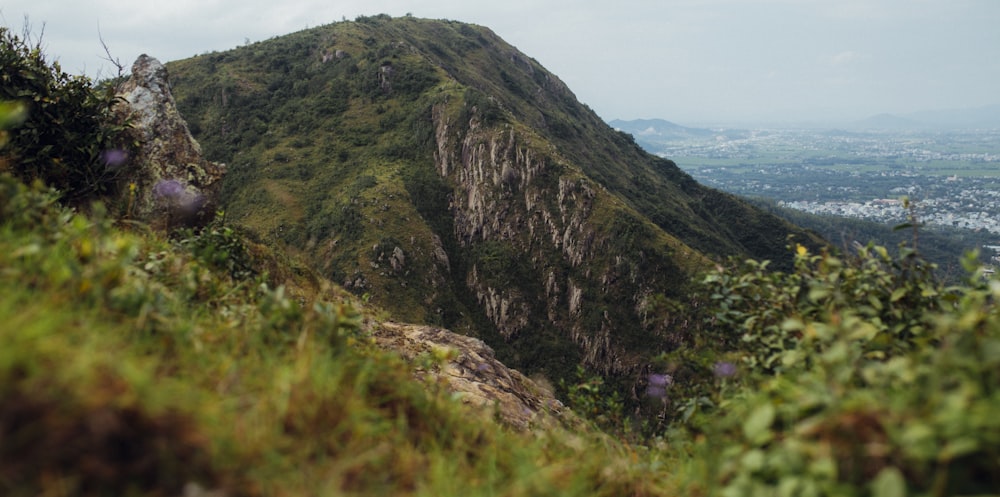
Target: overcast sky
{"x":688,"y":61}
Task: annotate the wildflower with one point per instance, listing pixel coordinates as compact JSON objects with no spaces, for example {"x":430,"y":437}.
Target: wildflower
{"x":802,"y":251}
{"x":661,"y":380}
{"x":658,"y":384}
{"x":178,"y":198}
{"x":114,"y":158}
{"x":723,"y":369}
{"x":656,"y":392}
{"x":168,"y":189}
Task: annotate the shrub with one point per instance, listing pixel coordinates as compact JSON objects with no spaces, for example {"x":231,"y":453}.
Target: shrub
{"x":772,"y":311}
{"x":590,"y":397}
{"x":220,"y":247}
{"x":66,"y":134}
{"x":865,"y":377}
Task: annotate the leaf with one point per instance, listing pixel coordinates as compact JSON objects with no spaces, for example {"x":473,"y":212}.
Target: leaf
{"x":790,"y":486}
{"x":875,"y":302}
{"x":889,"y":483}
{"x":754,"y":460}
{"x":958,"y":447}
{"x":757,"y":427}
{"x":12,"y":114}
{"x":823,"y":468}
{"x":897,"y":294}
{"x":918,"y":441}
{"x":818,"y":293}
{"x":792,"y":325}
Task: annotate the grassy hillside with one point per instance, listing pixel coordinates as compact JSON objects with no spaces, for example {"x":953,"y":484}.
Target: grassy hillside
{"x":365,"y":90}
{"x":131,"y":364}
{"x":204,"y":363}
{"x":134,"y":365}
{"x":452,"y":179}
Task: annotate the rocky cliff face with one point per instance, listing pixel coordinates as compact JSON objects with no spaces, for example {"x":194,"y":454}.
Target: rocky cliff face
{"x":174,"y":184}
{"x":550,"y":261}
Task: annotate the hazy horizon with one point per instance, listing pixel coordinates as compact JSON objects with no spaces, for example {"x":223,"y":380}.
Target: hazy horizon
{"x":920,"y":119}
{"x":687,"y":61}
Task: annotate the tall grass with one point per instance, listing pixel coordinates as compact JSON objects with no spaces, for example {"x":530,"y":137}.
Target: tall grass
{"x":129,"y":366}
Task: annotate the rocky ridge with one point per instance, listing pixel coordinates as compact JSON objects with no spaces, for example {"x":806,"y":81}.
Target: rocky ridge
{"x":173,"y":184}
{"x":464,"y":366}
{"x":512,"y":193}
{"x":470,"y":371}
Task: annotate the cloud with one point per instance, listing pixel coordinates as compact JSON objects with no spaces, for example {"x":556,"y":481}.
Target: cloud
{"x":678,"y":59}
{"x":844,"y":58}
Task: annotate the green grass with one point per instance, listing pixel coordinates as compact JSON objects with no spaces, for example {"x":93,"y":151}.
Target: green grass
{"x":132,"y":364}
{"x":128,"y":366}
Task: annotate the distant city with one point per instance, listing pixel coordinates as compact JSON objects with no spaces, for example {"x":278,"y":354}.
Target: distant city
{"x":952,"y":178}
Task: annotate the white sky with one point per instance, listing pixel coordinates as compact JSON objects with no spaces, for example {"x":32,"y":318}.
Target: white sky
{"x":689,"y":61}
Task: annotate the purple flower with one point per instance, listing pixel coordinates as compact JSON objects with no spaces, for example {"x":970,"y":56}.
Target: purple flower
{"x":724,"y":369}
{"x":178,"y":197}
{"x":661,"y":380}
{"x":114,"y":158}
{"x":658,"y":384}
{"x":169,"y":188}
{"x":656,"y":392}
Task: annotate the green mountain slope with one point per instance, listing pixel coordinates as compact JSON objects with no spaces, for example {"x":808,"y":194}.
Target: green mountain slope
{"x":453,"y":180}
{"x":204,"y":363}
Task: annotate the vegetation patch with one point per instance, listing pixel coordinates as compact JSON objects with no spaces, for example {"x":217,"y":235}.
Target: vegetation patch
{"x":137,"y":363}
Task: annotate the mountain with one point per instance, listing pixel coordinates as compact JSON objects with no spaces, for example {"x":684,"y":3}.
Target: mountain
{"x":436,"y":170}
{"x":136,"y":359}
{"x":660,"y":134}
{"x":967,"y":118}
{"x":651,"y":133}
{"x":659,"y":128}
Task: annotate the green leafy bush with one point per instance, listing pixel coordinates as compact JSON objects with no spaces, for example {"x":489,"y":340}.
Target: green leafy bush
{"x":589,"y":396}
{"x":772,"y":310}
{"x":65,"y":132}
{"x":220,"y":247}
{"x":864,"y":377}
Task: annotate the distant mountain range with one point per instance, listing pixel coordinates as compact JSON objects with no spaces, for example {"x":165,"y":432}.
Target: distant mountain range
{"x":660,"y":130}
{"x":652,"y":133}
{"x":979,"y":117}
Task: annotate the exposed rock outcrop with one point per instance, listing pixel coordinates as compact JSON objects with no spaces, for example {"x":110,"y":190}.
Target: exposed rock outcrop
{"x":525,"y":199}
{"x":174,"y":184}
{"x":469,"y":369}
